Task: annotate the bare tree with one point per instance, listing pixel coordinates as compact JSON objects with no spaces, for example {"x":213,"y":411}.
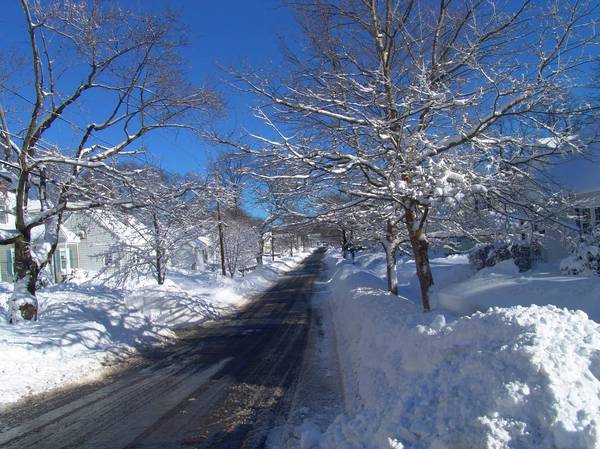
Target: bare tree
{"x":172,"y":212}
{"x":105,"y":77}
{"x":239,"y":236}
{"x":423,"y":105}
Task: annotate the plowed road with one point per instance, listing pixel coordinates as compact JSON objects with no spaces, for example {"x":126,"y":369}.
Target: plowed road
{"x":220,"y":387}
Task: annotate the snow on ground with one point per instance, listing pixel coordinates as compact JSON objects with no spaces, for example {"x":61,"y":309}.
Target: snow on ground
{"x":189,"y":297}
{"x":86,"y":328}
{"x":502,"y":285}
{"x":516,"y":377}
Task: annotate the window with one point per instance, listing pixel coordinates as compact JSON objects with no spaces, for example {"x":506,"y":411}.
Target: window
{"x":10,"y":262}
{"x":578,"y":218}
{"x":64,"y":263}
{"x":108,"y":259}
{"x":583,"y":219}
{"x":597,"y":215}
{"x":3,"y":211}
{"x":586,"y":220}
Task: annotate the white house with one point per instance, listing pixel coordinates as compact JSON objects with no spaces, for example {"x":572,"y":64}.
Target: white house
{"x":579,"y":177}
{"x":194,"y":254}
{"x":101,"y":234}
{"x":65,"y":258}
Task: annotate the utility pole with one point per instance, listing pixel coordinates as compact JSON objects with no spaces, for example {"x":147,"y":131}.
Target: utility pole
{"x":220,"y":227}
{"x":221,"y":242}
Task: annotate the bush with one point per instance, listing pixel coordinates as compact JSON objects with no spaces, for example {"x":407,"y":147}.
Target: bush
{"x":585,"y":256}
{"x":488,"y":255}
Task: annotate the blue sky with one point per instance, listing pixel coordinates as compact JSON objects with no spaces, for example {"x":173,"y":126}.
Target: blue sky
{"x":231,"y":33}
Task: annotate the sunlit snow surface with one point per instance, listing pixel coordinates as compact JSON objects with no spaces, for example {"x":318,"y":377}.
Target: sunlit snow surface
{"x":84,"y":328}
{"x":514,"y":377}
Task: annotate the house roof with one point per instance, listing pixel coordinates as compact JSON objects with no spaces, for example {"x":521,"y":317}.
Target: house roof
{"x":587,"y":199}
{"x":124,"y":228}
{"x":205,"y":240}
{"x":578,"y":174}
{"x":65,"y":234}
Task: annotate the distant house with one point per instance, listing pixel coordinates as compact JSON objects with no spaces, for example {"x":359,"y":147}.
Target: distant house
{"x":66,"y":256}
{"x":101,"y":235}
{"x":586,"y":210}
{"x":195,"y":254}
{"x":108,"y":241}
{"x":96,"y":241}
{"x":579,"y":178}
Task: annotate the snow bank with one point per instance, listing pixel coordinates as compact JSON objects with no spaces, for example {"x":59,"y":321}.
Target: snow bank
{"x":519,"y":377}
{"x":502,"y":285}
{"x":446,"y":271}
{"x":84,"y":329}
{"x":189,"y":297}
{"x":79,"y":330}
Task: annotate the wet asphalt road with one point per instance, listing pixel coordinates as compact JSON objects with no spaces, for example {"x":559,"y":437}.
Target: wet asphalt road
{"x":221,"y":386}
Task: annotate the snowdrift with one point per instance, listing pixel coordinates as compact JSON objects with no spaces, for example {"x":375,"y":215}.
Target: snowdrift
{"x":85,"y":329}
{"x":504,"y":286}
{"x":80,"y":329}
{"x":517,"y":377}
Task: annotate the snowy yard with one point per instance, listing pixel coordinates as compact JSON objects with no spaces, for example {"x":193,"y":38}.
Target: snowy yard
{"x":521,"y":376}
{"x":84,"y":329}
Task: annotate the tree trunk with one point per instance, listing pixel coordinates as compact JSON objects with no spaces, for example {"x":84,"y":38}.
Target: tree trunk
{"x":221,"y":239}
{"x":23,"y":304}
{"x":261,"y":250}
{"x":159,"y":254}
{"x":392,"y":277}
{"x":292,"y":247}
{"x":344,"y":244}
{"x":272,"y":247}
{"x":160,"y":267}
{"x":391,"y":247}
{"x":420,"y":248}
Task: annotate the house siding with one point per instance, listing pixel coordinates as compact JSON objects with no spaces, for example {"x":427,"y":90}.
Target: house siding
{"x":587,"y":218}
{"x":95,"y":242}
{"x":6,"y":264}
{"x":74,"y":254}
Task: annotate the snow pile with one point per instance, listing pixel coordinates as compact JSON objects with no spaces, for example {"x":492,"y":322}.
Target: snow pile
{"x":85,"y":328}
{"x":446,"y":271}
{"x":504,"y":286}
{"x":79,"y":330}
{"x":185,"y":299}
{"x":191,"y":297}
{"x":520,"y":377}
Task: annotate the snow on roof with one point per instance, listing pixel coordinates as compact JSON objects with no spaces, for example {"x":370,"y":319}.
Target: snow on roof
{"x":578,"y":174}
{"x":125,"y":228}
{"x":37,"y":234}
{"x":587,"y":199}
{"x":555,"y":142}
{"x":205,"y":240}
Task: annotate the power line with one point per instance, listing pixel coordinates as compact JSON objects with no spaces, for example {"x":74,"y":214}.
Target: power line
{"x":75,"y":125}
{"x":60,"y":117}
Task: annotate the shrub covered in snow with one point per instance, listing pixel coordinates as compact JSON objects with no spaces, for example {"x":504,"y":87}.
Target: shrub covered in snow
{"x":524,"y":254}
{"x":489,"y":254}
{"x":584,"y":257}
